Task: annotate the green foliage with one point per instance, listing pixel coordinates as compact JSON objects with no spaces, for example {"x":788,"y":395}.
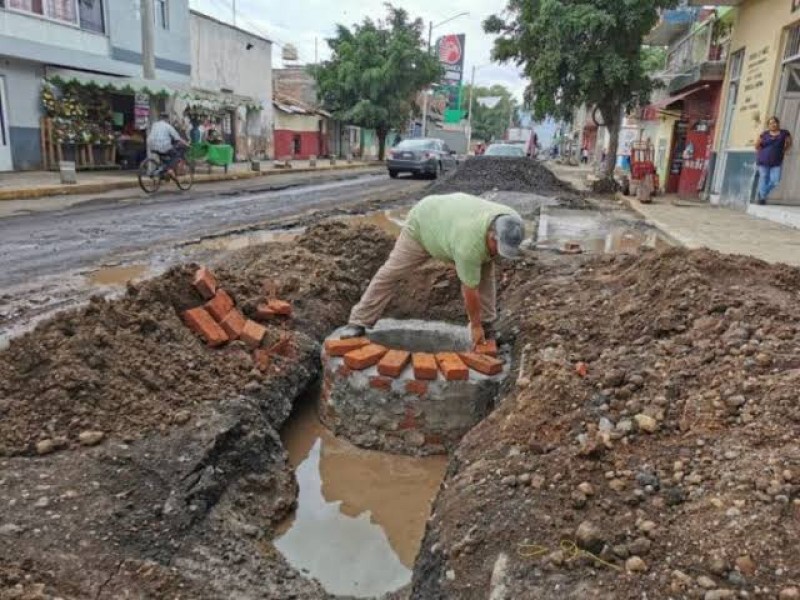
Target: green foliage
{"x":654,"y":59}
{"x":375,"y":72}
{"x":579,"y":52}
{"x":490,"y":123}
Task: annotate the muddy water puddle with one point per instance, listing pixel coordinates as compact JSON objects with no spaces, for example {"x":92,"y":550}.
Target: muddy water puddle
{"x":391,"y":221}
{"x":118,"y":275}
{"x":595,"y":232}
{"x":360,"y":515}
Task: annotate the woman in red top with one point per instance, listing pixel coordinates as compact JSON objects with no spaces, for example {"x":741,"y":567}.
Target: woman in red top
{"x":771,"y":147}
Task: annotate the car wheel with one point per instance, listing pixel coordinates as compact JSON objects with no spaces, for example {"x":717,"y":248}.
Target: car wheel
{"x":393,"y":174}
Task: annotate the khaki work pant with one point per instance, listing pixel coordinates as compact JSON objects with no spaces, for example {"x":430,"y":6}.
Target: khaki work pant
{"x":406,"y":256}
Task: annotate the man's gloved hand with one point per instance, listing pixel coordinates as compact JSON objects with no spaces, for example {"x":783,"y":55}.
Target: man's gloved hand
{"x":477,"y":334}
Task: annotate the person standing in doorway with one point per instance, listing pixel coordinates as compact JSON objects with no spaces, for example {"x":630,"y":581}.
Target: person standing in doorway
{"x":772,"y":146}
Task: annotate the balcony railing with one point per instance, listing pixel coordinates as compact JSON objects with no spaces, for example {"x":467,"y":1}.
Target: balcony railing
{"x":701,"y":46}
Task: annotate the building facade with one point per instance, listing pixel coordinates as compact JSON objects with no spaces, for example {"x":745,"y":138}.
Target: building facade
{"x":231,"y":77}
{"x":101,"y":37}
{"x":698,"y":42}
{"x":762,"y":79}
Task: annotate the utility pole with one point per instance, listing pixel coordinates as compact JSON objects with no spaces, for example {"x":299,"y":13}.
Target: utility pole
{"x":233,"y":7}
{"x":148,"y":39}
{"x":469,"y":109}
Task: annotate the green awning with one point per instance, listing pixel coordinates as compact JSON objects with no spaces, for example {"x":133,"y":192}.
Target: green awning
{"x":129,"y":85}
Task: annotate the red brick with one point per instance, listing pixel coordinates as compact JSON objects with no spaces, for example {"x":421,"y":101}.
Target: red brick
{"x":280,"y":307}
{"x":205,"y":283}
{"x":582,"y":369}
{"x":452,"y":367}
{"x":424,"y":366}
{"x":262,"y":359}
{"x":233,"y":324}
{"x":380,"y":383}
{"x":482,"y":363}
{"x":199,"y":321}
{"x":264,"y":313}
{"x":220,"y":305}
{"x":253,"y":333}
{"x":420,"y":388}
{"x":490,"y":348}
{"x":393,"y":363}
{"x":342,"y":347}
{"x":433,"y":439}
{"x":365,"y":357}
{"x":409,"y":419}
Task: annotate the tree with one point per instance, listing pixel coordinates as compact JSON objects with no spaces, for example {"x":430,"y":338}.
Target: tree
{"x":375,"y":72}
{"x":579,"y":52}
{"x":490,"y":122}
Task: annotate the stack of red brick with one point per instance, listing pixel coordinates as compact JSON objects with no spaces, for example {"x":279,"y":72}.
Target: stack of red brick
{"x":218,"y":321}
{"x":360,"y":354}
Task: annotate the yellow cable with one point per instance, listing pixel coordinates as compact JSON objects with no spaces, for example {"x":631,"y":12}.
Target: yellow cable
{"x":568,"y":547}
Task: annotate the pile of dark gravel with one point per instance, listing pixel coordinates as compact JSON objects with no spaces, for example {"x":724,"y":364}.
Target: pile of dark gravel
{"x":479,"y":174}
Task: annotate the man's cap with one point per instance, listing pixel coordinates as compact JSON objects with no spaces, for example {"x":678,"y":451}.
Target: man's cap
{"x":509,"y":231}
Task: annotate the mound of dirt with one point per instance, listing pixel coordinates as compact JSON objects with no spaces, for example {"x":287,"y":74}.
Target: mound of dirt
{"x":655,"y":425}
{"x":479,"y":174}
{"x":127,"y":366}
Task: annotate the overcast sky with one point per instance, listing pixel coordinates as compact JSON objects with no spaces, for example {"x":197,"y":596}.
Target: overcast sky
{"x":300,"y":22}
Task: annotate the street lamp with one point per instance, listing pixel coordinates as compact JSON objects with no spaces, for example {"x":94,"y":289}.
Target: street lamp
{"x":431,"y":27}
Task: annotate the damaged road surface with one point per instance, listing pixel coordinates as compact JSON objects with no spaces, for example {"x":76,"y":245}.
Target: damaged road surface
{"x":48,"y":255}
{"x":643,"y":445}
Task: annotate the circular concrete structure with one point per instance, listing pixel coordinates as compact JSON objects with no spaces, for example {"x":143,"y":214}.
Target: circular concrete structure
{"x":405,"y":414}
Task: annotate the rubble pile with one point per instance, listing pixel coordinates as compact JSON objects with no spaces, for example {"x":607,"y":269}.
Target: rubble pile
{"x":650,"y":446}
{"x":479,"y":174}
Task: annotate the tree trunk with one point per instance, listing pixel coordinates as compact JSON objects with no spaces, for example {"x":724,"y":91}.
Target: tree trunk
{"x":613,"y":123}
{"x":381,"y":133}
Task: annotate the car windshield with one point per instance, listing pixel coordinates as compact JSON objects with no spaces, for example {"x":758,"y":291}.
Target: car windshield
{"x":416,"y":145}
{"x":504,"y":150}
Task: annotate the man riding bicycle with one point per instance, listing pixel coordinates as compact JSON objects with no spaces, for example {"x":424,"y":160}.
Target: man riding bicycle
{"x":163,"y":140}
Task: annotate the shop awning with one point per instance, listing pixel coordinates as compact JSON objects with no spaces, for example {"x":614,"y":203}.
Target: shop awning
{"x":130,"y":85}
{"x":666,"y":102}
{"x":217,"y":101}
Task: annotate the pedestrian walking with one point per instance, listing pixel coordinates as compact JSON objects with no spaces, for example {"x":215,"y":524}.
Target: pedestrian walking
{"x":772,"y":146}
{"x":585,"y":155}
{"x":458,"y":228}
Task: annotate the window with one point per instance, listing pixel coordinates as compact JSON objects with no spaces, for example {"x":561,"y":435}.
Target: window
{"x":86,"y":13}
{"x":162,"y":13}
{"x":91,"y":15}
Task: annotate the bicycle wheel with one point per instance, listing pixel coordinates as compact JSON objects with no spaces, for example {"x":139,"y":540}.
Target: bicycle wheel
{"x":150,"y":175}
{"x":184,"y":174}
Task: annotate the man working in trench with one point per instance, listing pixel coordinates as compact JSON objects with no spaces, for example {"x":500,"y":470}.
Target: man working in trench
{"x":458,"y":228}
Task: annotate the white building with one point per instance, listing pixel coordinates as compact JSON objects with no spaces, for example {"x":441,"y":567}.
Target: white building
{"x":232,"y":78}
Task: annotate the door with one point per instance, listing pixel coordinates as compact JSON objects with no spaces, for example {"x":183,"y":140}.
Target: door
{"x":6,"y":164}
{"x":789,"y":114}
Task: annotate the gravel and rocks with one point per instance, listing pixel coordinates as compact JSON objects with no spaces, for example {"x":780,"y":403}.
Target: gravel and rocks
{"x":696,"y":479}
{"x":479,"y":174}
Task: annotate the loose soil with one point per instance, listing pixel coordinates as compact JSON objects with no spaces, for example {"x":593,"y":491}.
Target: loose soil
{"x":677,"y":447}
{"x":655,"y":422}
{"x":479,"y":174}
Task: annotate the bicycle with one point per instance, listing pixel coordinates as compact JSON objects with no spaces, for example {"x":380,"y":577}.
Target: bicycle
{"x":152,"y":172}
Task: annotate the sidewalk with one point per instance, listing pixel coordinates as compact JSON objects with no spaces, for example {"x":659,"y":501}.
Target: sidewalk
{"x":721,"y":229}
{"x":23,"y":185}
{"x":701,"y":225}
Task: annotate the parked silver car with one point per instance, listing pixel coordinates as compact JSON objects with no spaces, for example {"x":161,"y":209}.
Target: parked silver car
{"x":421,"y":157}
{"x":505,"y":150}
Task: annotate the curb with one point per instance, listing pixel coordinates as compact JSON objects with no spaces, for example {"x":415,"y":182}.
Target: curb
{"x":674,"y":238}
{"x":95,"y":188}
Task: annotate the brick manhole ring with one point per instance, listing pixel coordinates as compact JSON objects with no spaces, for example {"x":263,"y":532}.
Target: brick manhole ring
{"x":411,"y":387}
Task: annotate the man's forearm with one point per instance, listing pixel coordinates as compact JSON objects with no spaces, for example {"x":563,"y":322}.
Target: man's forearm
{"x":472,"y":302}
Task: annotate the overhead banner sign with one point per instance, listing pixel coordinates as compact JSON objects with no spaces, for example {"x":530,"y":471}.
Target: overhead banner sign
{"x":451,"y":57}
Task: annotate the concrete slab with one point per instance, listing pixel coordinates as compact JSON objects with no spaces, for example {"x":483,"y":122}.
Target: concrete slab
{"x":788,"y":216}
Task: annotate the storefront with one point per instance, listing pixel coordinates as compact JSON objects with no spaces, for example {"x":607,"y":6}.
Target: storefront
{"x":761,"y":80}
{"x":98,"y":122}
